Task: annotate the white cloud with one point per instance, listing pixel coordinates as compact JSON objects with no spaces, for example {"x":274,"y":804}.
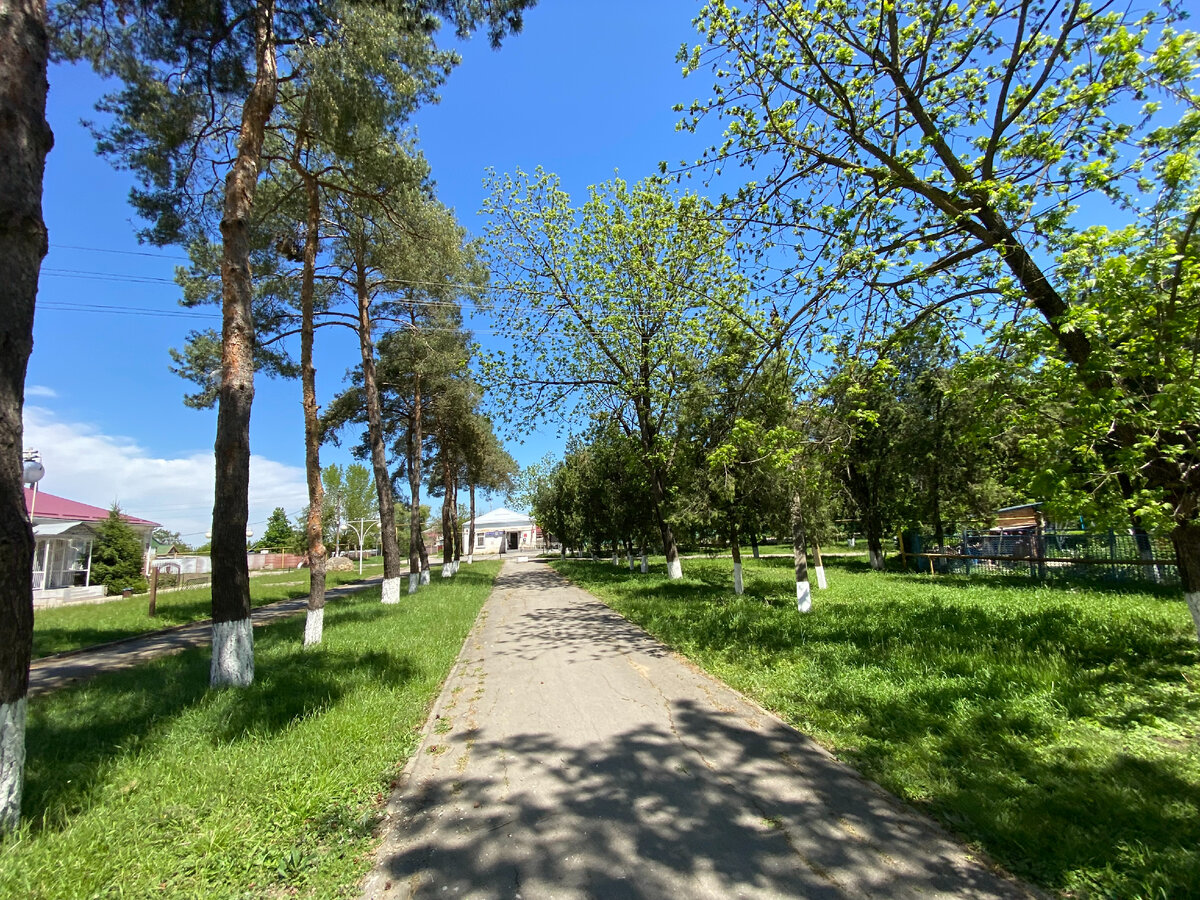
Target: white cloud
{"x":40,"y":390}
{"x":86,"y":465}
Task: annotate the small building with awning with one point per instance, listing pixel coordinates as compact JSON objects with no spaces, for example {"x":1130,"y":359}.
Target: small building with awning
{"x":64,"y":532}
{"x":502,"y":531}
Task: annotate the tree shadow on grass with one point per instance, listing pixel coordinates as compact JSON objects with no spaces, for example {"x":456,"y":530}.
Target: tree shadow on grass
{"x":307,"y":685}
{"x":76,"y":735}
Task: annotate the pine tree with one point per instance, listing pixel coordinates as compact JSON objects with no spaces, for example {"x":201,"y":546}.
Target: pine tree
{"x":117,"y":555}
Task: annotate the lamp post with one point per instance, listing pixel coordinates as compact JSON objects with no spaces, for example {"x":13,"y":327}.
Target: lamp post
{"x":31,"y":475}
{"x":361,"y":529}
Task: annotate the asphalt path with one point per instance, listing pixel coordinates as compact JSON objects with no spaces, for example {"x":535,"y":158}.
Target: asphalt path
{"x":51,"y":673}
{"x":571,"y":755}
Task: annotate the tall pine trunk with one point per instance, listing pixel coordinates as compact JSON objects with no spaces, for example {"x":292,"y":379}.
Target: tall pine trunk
{"x":232,"y":632}
{"x":383,"y":478}
{"x":314,"y":624}
{"x":454,"y":523}
{"x":25,"y":139}
{"x":447,"y":519}
{"x":413,"y":448}
{"x":471,"y":547}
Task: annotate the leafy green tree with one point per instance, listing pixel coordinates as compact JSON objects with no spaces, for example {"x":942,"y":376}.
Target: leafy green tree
{"x":171,"y":538}
{"x":930,"y":158}
{"x":614,"y":305}
{"x":279,"y":534}
{"x":117,"y":555}
{"x":358,"y":500}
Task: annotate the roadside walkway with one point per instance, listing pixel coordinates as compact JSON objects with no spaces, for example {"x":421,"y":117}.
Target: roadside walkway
{"x":570,"y":755}
{"x":53,"y":672}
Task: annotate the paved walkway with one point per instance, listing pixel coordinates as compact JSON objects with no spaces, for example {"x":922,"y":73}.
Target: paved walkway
{"x":570,"y":755}
{"x":54,"y":672}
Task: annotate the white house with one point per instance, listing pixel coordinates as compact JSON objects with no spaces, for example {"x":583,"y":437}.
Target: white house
{"x":64,"y":531}
{"x":502,"y":531}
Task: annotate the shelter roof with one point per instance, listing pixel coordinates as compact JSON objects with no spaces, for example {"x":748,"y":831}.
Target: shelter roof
{"x":50,"y":507}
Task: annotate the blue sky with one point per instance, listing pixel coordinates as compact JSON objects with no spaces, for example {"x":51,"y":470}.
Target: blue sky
{"x":584,"y":91}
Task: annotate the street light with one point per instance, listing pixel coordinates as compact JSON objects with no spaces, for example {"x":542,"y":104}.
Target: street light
{"x":361,"y":529}
{"x":31,"y":475}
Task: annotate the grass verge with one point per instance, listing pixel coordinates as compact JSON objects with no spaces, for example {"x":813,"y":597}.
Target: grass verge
{"x":146,"y":783}
{"x":64,"y":628}
{"x":1056,"y":728}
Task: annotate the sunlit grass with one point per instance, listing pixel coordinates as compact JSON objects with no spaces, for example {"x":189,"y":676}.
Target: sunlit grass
{"x":1056,"y":728}
{"x":146,"y":783}
{"x":64,"y":628}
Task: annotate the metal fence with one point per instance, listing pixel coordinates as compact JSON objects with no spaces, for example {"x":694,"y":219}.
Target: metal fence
{"x":1052,"y":555}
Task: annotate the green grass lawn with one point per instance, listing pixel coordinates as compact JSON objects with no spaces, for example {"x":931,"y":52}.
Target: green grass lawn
{"x":64,"y":628}
{"x":145,"y":783}
{"x":1056,"y":728}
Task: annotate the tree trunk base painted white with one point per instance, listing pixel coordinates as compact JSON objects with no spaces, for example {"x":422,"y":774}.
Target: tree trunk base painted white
{"x":821,"y":583}
{"x":616,"y":560}
{"x":629,"y":557}
{"x":803,"y":596}
{"x":424,"y":576}
{"x":674,"y":570}
{"x":645,"y":564}
{"x":447,"y":569}
{"x":1193,"y":602}
{"x":470,"y":559}
{"x":12,"y":763}
{"x":314,"y":626}
{"x":391,"y":590}
{"x":738,"y":588}
{"x":876,"y":559}
{"x":413,"y":581}
{"x":232,"y":654}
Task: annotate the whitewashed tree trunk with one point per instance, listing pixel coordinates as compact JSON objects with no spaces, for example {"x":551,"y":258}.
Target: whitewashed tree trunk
{"x":12,"y":763}
{"x":447,"y":569}
{"x":799,"y":556}
{"x":424,"y":576}
{"x":803,"y":596}
{"x":616,"y":560}
{"x":738,"y":587}
{"x":413,"y":580}
{"x":876,"y":559}
{"x":821,"y":577}
{"x":314,"y":626}
{"x":391,"y":590}
{"x":1193,"y":602}
{"x":645,"y":564}
{"x":629,"y":556}
{"x":232,"y":653}
{"x":674,"y":569}
{"x":470,"y":558}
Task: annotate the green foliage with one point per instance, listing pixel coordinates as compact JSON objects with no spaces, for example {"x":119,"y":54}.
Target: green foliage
{"x":119,"y":799}
{"x":930,"y":161}
{"x":279,"y":534}
{"x":117,"y":555}
{"x":1049,"y":726}
{"x":171,"y":539}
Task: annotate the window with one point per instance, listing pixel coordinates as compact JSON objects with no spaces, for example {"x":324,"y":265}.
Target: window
{"x":478,"y":541}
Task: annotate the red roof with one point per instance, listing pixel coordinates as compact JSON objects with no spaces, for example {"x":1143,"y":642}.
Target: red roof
{"x":59,"y":508}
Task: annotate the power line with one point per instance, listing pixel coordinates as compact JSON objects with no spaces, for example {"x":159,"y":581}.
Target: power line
{"x":121,"y":252}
